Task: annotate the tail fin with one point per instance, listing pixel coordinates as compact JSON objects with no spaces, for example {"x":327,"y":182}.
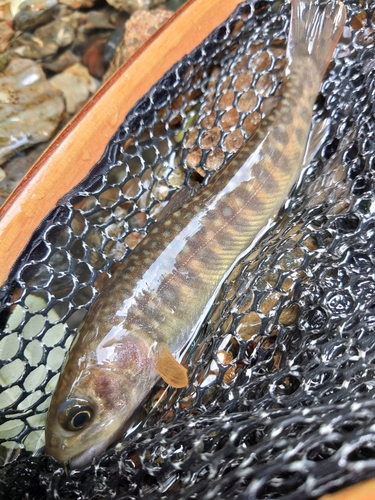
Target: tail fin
{"x":314,"y":32}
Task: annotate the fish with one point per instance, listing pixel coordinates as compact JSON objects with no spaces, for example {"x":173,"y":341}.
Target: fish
{"x":154,"y":303}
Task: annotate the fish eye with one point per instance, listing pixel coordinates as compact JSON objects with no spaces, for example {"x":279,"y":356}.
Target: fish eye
{"x":75,"y":414}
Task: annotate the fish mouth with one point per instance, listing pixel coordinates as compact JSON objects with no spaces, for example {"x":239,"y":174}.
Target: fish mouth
{"x":78,"y":451}
{"x":57,"y":448}
{"x":85,"y":457}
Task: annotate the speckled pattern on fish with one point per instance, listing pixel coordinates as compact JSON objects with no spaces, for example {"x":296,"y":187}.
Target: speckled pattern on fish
{"x":155,"y":301}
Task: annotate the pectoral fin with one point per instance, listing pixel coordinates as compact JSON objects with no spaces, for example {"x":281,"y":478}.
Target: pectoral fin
{"x":170,"y":370}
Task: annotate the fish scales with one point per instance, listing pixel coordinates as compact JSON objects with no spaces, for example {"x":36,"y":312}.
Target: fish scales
{"x":226,"y":230}
{"x":156,"y":299}
{"x":194,"y":248}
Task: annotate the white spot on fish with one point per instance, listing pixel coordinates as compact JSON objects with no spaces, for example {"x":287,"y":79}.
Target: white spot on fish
{"x":227,"y":211}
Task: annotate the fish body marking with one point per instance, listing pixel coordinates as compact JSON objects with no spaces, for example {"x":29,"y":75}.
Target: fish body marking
{"x":146,"y":314}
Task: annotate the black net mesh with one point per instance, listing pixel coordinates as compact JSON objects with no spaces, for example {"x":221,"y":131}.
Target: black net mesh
{"x":281,"y":396}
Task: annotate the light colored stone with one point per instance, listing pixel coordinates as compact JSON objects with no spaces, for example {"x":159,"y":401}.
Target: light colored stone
{"x":61,"y":31}
{"x":140,"y":27}
{"x":14,"y":6}
{"x":134,"y":5}
{"x":31,"y":47}
{"x":6,"y":33}
{"x":27,"y":14}
{"x":30,"y":108}
{"x":78,"y":4}
{"x":61,"y":63}
{"x":5,"y":14}
{"x":76,"y":84}
{"x":46,"y":40}
{"x":16,"y":168}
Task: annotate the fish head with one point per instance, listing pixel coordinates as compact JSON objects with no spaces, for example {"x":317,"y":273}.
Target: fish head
{"x":96,"y":394}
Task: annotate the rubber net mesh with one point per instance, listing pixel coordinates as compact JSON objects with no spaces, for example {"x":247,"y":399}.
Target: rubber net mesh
{"x":281,"y":396}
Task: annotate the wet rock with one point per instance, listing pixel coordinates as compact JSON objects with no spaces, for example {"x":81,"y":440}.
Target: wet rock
{"x":60,"y":63}
{"x":16,"y":168}
{"x":61,"y":31}
{"x":4,"y":7}
{"x":31,"y":47}
{"x":4,"y":59}
{"x":29,"y":14}
{"x":78,"y":4}
{"x":6,"y":33}
{"x":93,"y":56}
{"x":140,"y":27}
{"x":134,"y":5}
{"x":76,"y":84}
{"x":111,"y":45}
{"x":46,"y":40}
{"x":98,"y":37}
{"x":31,"y":107}
{"x":174,"y":4}
{"x":58,"y":36}
{"x":14,"y":7}
{"x":104,"y":19}
{"x":96,"y":24}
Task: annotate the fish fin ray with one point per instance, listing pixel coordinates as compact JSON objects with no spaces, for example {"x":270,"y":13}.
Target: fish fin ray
{"x":178,"y":199}
{"x":170,"y":370}
{"x":269,"y":104}
{"x":318,"y":135}
{"x":315,"y":32}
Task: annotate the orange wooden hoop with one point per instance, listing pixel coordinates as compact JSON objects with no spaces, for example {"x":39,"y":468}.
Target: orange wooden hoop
{"x":361,"y":491}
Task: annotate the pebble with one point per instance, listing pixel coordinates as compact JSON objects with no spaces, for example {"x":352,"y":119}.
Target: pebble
{"x":31,"y":108}
{"x":73,"y":46}
{"x":28,"y":14}
{"x":105,"y":19}
{"x":61,"y":31}
{"x":45,"y":41}
{"x":134,"y":5}
{"x":6,"y":34}
{"x":93,"y":56}
{"x":76,"y":84}
{"x":61,"y":62}
{"x":16,"y":168}
{"x":138,"y":29}
{"x":78,"y":4}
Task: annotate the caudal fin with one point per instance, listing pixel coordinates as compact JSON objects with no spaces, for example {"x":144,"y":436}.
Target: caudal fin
{"x":315,"y":31}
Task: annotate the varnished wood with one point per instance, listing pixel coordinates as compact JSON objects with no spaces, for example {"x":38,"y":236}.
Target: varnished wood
{"x":361,"y":491}
{"x":81,"y":144}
